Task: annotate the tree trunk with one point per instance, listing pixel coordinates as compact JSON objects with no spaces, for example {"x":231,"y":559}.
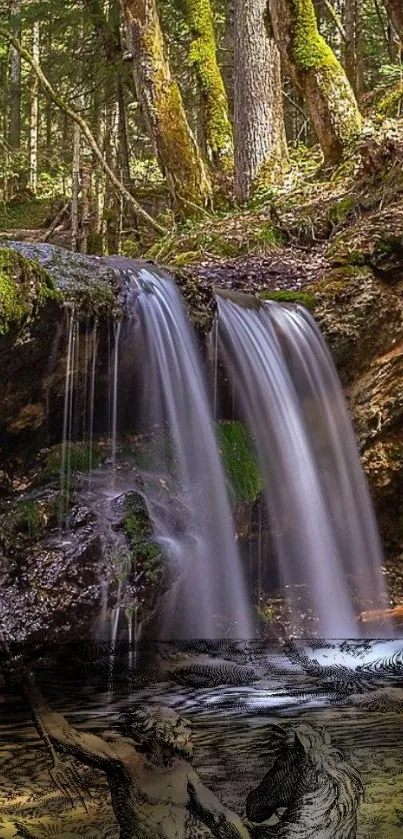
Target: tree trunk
{"x":75,"y":189}
{"x":260,"y":142}
{"x":33,"y":116}
{"x":394,"y":9}
{"x":203,"y":58}
{"x":353,"y":53}
{"x":317,"y":74}
{"x":227,"y":59}
{"x":162,"y":106}
{"x":15,"y":79}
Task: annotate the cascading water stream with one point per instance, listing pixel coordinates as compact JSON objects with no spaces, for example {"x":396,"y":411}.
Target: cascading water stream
{"x":323,"y":523}
{"x":208,"y":597}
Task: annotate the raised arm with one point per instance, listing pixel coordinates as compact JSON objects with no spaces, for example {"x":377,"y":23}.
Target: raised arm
{"x":87,"y":748}
{"x":223,"y":823}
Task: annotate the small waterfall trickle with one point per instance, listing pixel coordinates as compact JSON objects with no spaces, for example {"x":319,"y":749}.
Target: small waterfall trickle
{"x":324,"y":527}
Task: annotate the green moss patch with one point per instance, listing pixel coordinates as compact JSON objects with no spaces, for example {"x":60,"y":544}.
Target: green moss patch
{"x":310,"y":51}
{"x":240,"y":464}
{"x":24,"y":287}
{"x":81,"y":458}
{"x":25,"y":522}
{"x":305,"y":299}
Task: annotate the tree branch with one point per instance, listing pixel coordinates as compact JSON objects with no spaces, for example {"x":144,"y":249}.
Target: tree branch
{"x":75,"y":117}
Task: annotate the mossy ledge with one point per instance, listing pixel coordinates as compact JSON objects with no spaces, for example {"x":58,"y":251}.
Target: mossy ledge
{"x":24,"y":287}
{"x":84,"y":283}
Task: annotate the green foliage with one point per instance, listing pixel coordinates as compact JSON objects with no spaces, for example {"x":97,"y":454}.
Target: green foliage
{"x":391,"y":104}
{"x":241,"y":466}
{"x":302,"y":297}
{"x":24,"y":287}
{"x":24,"y":215}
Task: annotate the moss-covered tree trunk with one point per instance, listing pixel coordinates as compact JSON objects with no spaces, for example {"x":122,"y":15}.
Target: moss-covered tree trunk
{"x":394,"y":9}
{"x":203,"y":58}
{"x":162,"y":105}
{"x":260,"y":142}
{"x":315,"y":71}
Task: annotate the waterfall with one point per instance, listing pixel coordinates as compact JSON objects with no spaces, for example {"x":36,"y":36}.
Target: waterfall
{"x":207,"y":598}
{"x":324,"y":528}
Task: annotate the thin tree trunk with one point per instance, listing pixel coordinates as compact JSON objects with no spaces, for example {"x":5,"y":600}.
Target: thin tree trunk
{"x":260,"y":141}
{"x":15,"y":79}
{"x":350,"y":56}
{"x":162,"y":106}
{"x":75,"y":189}
{"x":124,"y":154}
{"x":317,"y":74}
{"x":85,"y":210}
{"x":33,"y":116}
{"x":48,"y":108}
{"x":203,"y":58}
{"x":394,"y":9}
{"x":76,"y":118}
{"x":227,"y":61}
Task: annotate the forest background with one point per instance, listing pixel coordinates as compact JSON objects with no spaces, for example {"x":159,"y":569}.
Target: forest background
{"x":151,"y":128}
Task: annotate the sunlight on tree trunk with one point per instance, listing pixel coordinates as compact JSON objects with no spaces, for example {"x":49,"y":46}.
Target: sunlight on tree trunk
{"x":33,"y":117}
{"x":15,"y":78}
{"x":162,"y":106}
{"x":203,"y":57}
{"x":317,"y":74}
{"x":260,"y":141}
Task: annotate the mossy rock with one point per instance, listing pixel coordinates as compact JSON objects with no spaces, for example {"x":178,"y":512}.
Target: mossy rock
{"x":24,"y":287}
{"x":86,"y":283}
{"x":240,"y":464}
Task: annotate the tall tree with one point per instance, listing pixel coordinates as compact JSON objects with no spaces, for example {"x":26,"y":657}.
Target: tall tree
{"x":161,"y":101}
{"x":260,"y":142}
{"x":203,"y":57}
{"x":394,"y":9}
{"x":15,"y":78}
{"x":318,"y":75}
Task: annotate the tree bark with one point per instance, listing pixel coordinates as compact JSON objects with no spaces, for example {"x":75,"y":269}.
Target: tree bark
{"x":15,"y":79}
{"x":260,"y":141}
{"x":315,"y":71}
{"x":203,"y":58}
{"x":394,"y":9}
{"x":162,"y":106}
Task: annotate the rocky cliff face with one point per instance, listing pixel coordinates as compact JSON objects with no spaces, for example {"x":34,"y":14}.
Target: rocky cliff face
{"x":352,"y":282}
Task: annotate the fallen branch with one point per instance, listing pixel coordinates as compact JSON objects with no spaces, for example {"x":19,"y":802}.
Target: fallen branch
{"x":49,"y":233}
{"x":75,"y":117}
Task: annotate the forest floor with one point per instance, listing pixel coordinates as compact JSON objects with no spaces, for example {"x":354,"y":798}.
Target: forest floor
{"x":286,"y":237}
